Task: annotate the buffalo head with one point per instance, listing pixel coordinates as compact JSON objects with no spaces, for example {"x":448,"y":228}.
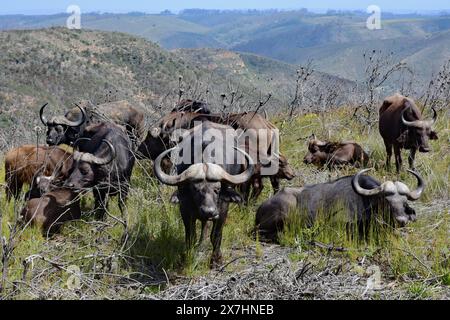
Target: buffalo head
{"x":316,"y":153}
{"x":395,"y":194}
{"x":85,"y":172}
{"x":207,"y":183}
{"x":419,"y":131}
{"x":61,"y":130}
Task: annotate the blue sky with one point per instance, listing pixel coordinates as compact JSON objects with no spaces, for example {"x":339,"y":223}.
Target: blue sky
{"x":152,"y":6}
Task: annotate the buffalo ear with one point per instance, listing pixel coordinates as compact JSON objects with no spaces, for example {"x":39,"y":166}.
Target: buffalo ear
{"x":174,"y":198}
{"x":403,"y":137}
{"x":433,"y":135}
{"x":230,"y":195}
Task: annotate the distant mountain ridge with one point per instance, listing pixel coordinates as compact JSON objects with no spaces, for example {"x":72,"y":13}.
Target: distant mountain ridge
{"x":334,"y":41}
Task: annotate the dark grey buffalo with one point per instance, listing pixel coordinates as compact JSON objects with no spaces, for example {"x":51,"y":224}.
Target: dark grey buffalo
{"x":104,"y":161}
{"x":68,"y":128}
{"x":205,"y":185}
{"x":361,"y":196}
{"x":402,"y":127}
{"x":60,"y":129}
{"x":260,"y":132}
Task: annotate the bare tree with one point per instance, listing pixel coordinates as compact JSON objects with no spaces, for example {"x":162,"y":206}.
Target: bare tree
{"x":437,"y":95}
{"x":379,"y":68}
{"x":302,"y":81}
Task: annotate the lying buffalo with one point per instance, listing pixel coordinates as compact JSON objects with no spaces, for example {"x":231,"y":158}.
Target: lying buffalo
{"x":402,"y":127}
{"x":205,"y":184}
{"x":331,"y":154}
{"x":104,"y":162}
{"x":361,"y":196}
{"x":52,"y":209}
{"x":25,"y":163}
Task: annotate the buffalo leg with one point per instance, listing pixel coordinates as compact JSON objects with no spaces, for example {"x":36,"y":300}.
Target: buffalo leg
{"x":388,"y":155}
{"x":216,"y":237}
{"x":13,"y":188}
{"x":189,"y":226}
{"x":245,"y":189}
{"x":101,"y":204}
{"x":257,"y":188}
{"x":275,"y":184}
{"x":398,"y":158}
{"x":411,"y":158}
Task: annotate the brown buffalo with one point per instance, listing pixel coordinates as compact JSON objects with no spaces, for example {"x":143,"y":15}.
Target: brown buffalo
{"x":24,"y":163}
{"x":52,"y":209}
{"x":333,"y":154}
{"x":160,"y":138}
{"x":402,"y":127}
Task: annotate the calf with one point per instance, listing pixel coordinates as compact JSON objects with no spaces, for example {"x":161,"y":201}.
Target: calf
{"x":332,"y":154}
{"x":53,"y":209}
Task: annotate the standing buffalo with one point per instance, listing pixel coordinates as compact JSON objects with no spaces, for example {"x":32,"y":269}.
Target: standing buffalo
{"x":333,"y":154}
{"x":67,"y":129}
{"x":362,"y":198}
{"x":260,"y":132}
{"x":52,"y":209}
{"x":205,"y":181}
{"x":402,"y":127}
{"x":25,"y":163}
{"x":104,"y":161}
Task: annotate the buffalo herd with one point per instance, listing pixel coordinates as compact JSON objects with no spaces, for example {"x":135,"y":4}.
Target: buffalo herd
{"x":213,"y":160}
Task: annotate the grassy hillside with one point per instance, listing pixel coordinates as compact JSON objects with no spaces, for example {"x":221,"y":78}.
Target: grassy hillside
{"x":62,"y":67}
{"x":260,"y":72}
{"x":414,"y":262}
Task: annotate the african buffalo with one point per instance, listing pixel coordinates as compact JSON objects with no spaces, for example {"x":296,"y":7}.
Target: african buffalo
{"x":188,"y":105}
{"x":24,"y":163}
{"x":260,"y":131}
{"x":52,"y":209}
{"x":67,"y":129}
{"x":205,"y":181}
{"x":402,"y":127}
{"x":332,"y":154}
{"x":361,"y":196}
{"x":103,"y":161}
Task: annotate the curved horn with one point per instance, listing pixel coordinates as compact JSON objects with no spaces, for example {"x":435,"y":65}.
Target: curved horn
{"x":431,"y":122}
{"x":195,"y":171}
{"x":90,"y":158}
{"x":77,"y":142}
{"x":415,"y":195}
{"x":416,"y":123}
{"x":155,"y":132}
{"x":242,"y":177}
{"x":361,"y":191}
{"x":41,"y":114}
{"x":80,"y":121}
{"x":266,"y":116}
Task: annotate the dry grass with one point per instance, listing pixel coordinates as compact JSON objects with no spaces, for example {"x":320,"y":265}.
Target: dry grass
{"x":414,"y":263}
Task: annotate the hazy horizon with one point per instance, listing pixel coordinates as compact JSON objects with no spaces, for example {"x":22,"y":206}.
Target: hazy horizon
{"x":45,"y":7}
